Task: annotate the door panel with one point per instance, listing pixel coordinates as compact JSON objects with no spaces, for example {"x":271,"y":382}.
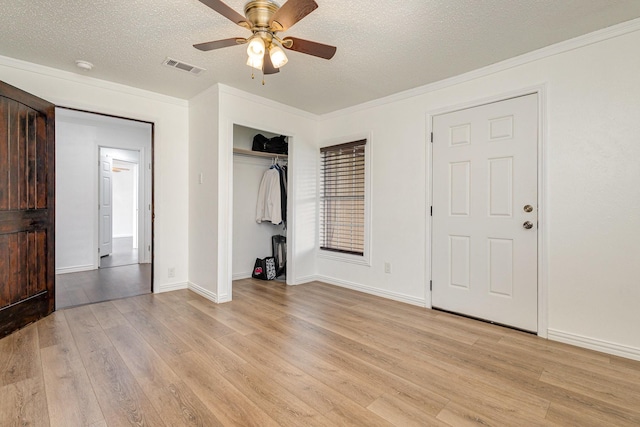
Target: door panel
{"x":484,"y":173}
{"x":106,"y":205}
{"x":26,"y":208}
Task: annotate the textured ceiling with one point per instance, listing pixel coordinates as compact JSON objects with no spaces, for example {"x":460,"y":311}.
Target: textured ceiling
{"x":384,"y":47}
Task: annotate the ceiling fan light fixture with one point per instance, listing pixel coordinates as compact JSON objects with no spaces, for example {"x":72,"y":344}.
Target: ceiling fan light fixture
{"x":255,"y":62}
{"x":256,"y":47}
{"x":278,"y":57}
{"x":265,"y":18}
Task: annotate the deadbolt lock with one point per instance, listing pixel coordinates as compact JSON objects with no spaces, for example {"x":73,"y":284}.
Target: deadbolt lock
{"x":528,"y":208}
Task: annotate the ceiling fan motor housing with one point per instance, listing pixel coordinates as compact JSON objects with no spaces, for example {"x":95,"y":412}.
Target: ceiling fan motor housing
{"x":259,"y":12}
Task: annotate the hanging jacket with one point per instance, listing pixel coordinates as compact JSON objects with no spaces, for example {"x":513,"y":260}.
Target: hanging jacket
{"x":282,"y":170}
{"x":269,"y":205}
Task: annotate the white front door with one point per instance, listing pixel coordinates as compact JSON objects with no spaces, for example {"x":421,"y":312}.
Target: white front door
{"x":484,"y":244}
{"x":106,"y":206}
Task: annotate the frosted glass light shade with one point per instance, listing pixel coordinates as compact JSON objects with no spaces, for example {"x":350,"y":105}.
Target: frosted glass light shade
{"x":256,"y":47}
{"x":278,"y":57}
{"x":255,"y":62}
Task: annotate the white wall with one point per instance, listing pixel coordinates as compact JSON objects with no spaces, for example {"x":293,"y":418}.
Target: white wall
{"x":126,"y":221}
{"x":123,"y":203}
{"x":203,"y":193}
{"x":591,"y":179}
{"x":592,"y":196}
{"x":211,"y":203}
{"x":79,"y":138}
{"x":74,"y":211}
{"x":171,"y":136}
{"x":240,"y":108}
{"x":250,"y":239}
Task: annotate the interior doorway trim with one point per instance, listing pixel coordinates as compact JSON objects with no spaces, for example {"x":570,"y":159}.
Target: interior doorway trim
{"x":143,"y":162}
{"x":143,"y":216}
{"x":225,"y":206}
{"x":543,"y":237}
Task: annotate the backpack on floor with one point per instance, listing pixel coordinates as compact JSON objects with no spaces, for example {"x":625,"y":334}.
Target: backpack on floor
{"x":264,"y":269}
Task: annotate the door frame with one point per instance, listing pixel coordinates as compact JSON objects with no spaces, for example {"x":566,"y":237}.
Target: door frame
{"x":542,"y":230}
{"x":150,"y":159}
{"x":142,"y":196}
{"x":225,"y":205}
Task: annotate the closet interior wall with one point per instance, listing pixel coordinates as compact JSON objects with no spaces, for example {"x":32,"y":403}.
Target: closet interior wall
{"x":250,"y":239}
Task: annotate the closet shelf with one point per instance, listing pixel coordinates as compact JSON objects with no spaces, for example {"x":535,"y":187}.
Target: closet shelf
{"x":244,"y":152}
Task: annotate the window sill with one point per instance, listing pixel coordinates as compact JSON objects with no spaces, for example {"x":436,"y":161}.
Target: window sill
{"x":348,"y":258}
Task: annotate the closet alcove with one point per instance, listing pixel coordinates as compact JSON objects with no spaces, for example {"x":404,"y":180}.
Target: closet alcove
{"x":251,"y":239}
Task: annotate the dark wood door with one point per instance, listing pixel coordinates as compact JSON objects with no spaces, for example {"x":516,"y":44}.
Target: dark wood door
{"x":27,"y":224}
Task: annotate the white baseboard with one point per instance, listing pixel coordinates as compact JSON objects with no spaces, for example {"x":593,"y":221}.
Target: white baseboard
{"x":299,"y":281}
{"x":240,"y":276}
{"x":223,"y":298}
{"x":75,"y":269}
{"x":168,"y":287}
{"x":306,"y":279}
{"x":595,"y":344}
{"x":120,"y":236}
{"x":420,"y":302}
{"x":211,"y":296}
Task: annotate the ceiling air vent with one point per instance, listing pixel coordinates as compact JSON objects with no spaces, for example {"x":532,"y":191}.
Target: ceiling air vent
{"x":192,"y":69}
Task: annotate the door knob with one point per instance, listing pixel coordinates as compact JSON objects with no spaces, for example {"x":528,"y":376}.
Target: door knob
{"x":527,"y":225}
{"x":528,"y":208}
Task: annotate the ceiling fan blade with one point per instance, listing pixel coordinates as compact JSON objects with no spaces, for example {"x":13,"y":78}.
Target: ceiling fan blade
{"x":267,"y":65}
{"x":310,"y":48}
{"x":290,"y":13}
{"x":205,"y":47}
{"x":227,"y":12}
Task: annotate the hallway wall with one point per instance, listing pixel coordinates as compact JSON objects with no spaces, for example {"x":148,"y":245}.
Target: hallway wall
{"x":171,"y":140}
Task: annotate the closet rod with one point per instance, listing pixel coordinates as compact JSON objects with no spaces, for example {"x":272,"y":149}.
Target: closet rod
{"x":252,"y":153}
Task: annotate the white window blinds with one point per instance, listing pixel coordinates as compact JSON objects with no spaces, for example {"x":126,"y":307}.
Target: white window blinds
{"x":342,"y":204}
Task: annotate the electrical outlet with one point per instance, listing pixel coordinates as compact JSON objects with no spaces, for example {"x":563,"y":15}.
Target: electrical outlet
{"x":171,"y":272}
{"x":387,"y":267}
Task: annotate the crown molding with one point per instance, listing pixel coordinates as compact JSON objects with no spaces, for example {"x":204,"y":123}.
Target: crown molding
{"x":89,"y":81}
{"x":542,"y":53}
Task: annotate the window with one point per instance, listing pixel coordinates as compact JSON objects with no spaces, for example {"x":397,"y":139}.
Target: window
{"x":342,"y":198}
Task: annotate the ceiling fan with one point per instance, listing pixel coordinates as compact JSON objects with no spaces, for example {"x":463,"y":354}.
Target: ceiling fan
{"x":264,"y":18}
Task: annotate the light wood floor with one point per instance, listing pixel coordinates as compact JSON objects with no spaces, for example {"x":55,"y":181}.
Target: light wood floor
{"x":307,"y":355}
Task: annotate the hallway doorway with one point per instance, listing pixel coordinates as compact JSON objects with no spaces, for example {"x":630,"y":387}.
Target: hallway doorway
{"x":102,"y":254}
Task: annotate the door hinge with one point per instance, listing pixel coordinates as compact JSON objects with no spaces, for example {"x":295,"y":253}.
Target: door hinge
{"x":98,"y":250}
{"x":431,"y":136}
{"x":431,"y":210}
{"x":431,"y":285}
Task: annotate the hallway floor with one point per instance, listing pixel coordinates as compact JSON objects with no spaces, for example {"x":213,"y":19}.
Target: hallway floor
{"x":123,"y":253}
{"x":103,"y":284}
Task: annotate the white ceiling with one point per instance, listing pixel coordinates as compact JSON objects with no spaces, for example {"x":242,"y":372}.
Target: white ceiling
{"x":384,"y":47}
